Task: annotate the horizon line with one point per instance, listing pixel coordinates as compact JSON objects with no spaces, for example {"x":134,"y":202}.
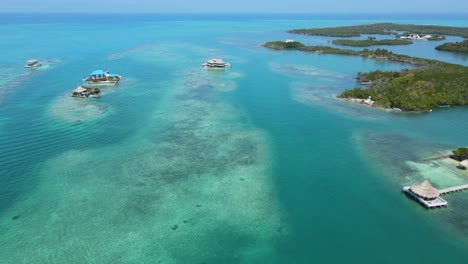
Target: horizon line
{"x":239,"y":13}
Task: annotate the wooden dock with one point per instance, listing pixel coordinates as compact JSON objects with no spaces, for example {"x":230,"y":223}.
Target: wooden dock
{"x":436,"y":203}
{"x":453,"y":189}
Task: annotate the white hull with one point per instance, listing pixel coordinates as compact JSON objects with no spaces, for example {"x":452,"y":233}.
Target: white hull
{"x":227,"y":65}
{"x":103,"y":83}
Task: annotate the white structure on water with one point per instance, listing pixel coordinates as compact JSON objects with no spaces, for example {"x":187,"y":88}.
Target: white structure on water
{"x":429,"y":196}
{"x":416,"y":36}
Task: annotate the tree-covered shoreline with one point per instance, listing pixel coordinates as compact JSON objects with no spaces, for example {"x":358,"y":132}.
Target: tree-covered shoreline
{"x":454,"y":46}
{"x":284,"y":45}
{"x":460,"y":154}
{"x":370,"y":42}
{"x":431,"y":84}
{"x":377,"y":53}
{"x":382,"y":29}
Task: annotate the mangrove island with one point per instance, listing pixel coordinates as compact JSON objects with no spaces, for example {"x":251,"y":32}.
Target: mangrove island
{"x":382,"y":29}
{"x":454,"y":46}
{"x":431,"y":84}
{"x":371,"y":41}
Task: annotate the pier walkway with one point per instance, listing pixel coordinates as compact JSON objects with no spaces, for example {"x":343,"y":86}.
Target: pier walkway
{"x":438,"y":202}
{"x":453,"y":189}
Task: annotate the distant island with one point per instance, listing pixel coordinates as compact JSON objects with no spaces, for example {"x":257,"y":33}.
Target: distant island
{"x":454,"y":46}
{"x":378,"y":53}
{"x":287,"y":44}
{"x":382,"y":29}
{"x":371,"y":41}
{"x":431,"y":84}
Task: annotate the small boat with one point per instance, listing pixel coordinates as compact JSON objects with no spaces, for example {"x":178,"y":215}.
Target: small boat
{"x":32,"y":64}
{"x":85,"y":92}
{"x":102,"y":77}
{"x":216,"y":63}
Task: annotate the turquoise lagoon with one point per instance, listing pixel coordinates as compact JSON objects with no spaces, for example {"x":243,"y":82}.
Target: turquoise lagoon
{"x":177,"y":164}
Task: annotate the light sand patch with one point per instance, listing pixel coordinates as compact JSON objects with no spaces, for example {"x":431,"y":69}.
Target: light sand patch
{"x":388,"y":153}
{"x":202,"y":79}
{"x":442,"y":173}
{"x":192,"y":186}
{"x":407,"y":160}
{"x":312,"y":94}
{"x":232,"y":74}
{"x":71,"y":109}
{"x":296,"y":70}
{"x":325,"y":98}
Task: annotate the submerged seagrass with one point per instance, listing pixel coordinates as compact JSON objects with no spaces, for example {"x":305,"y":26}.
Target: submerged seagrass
{"x":176,"y":164}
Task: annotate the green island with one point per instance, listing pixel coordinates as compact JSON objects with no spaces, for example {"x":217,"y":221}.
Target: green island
{"x":284,"y":45}
{"x":370,"y":42}
{"x":382,"y":29}
{"x":431,"y":84}
{"x":454,"y":46}
{"x":378,"y":53}
{"x":460,"y":154}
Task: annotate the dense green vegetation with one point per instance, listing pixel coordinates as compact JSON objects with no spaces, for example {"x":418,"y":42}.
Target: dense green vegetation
{"x":382,"y":29}
{"x":431,"y":84}
{"x":378,"y":53}
{"x":419,"y":89}
{"x":460,"y":154}
{"x":370,"y":42}
{"x":283,"y":45}
{"x":454,"y":46}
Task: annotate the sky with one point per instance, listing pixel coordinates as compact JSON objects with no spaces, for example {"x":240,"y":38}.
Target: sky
{"x":235,"y":6}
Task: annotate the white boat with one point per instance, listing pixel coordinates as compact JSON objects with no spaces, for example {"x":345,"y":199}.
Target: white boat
{"x":415,"y":36}
{"x":102,"y":77}
{"x":216,"y":63}
{"x":32,"y":64}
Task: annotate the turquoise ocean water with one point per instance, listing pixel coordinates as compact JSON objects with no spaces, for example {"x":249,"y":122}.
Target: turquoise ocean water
{"x":258,"y":163}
